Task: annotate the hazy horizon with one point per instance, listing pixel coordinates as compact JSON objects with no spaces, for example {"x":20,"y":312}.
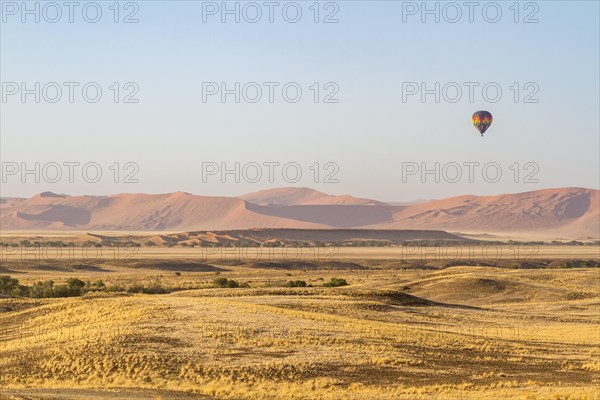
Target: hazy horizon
{"x":5,"y":196}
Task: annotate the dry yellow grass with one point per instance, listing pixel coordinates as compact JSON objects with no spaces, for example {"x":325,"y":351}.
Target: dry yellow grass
{"x":456,"y":333}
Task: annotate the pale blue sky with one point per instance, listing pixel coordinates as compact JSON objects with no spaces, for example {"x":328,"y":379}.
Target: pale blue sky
{"x":369,"y":53}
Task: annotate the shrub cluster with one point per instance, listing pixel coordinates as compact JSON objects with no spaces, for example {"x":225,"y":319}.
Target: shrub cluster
{"x":11,"y":287}
{"x":154,"y":288}
{"x":228,"y":283}
{"x":335,"y":282}
{"x":73,"y":287}
{"x":295,"y":284}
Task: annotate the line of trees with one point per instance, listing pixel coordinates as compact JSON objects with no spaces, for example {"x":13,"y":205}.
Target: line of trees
{"x":72,"y":288}
{"x":43,"y":289}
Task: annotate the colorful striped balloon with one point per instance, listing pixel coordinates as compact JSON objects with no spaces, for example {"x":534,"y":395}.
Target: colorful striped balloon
{"x":482,"y":121}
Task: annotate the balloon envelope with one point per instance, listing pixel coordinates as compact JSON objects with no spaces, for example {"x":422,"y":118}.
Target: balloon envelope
{"x":482,"y":121}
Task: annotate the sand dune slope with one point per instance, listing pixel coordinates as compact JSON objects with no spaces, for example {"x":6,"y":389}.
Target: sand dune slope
{"x":572,"y":211}
{"x":303,"y":196}
{"x":566,"y":212}
{"x":179,"y":210}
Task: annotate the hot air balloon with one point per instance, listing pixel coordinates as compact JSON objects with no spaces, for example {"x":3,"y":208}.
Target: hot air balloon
{"x":482,"y":121}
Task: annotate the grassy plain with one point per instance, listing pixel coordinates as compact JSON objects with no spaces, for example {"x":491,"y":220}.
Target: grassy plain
{"x":397,"y":331}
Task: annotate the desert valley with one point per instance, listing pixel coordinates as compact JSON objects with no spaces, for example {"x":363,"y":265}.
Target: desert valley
{"x":295,"y":294}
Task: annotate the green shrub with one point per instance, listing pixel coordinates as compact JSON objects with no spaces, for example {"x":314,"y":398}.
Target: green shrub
{"x":73,"y":287}
{"x":135,"y":288}
{"x":8,"y":284}
{"x":99,"y":284}
{"x":295,"y":284}
{"x":156,"y":288}
{"x":74,"y":283}
{"x":42,"y":289}
{"x":153,"y":288}
{"x":115,"y":289}
{"x":335,"y":282}
{"x":65,"y":291}
{"x":11,"y":287}
{"x":232,"y":284}
{"x":220,"y":282}
{"x":226,"y":283}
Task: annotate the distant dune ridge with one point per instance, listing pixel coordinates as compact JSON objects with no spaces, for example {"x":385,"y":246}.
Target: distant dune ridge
{"x":566,"y":212}
{"x":303,"y":197}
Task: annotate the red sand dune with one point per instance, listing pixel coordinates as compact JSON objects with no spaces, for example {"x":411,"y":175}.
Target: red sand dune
{"x":571,"y":209}
{"x":143,"y":212}
{"x":291,"y":196}
{"x":565,"y":212}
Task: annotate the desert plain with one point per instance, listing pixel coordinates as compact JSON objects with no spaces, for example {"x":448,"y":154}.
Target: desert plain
{"x":166,"y":323}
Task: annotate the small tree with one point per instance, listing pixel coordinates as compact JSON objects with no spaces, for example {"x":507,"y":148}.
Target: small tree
{"x":8,"y":284}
